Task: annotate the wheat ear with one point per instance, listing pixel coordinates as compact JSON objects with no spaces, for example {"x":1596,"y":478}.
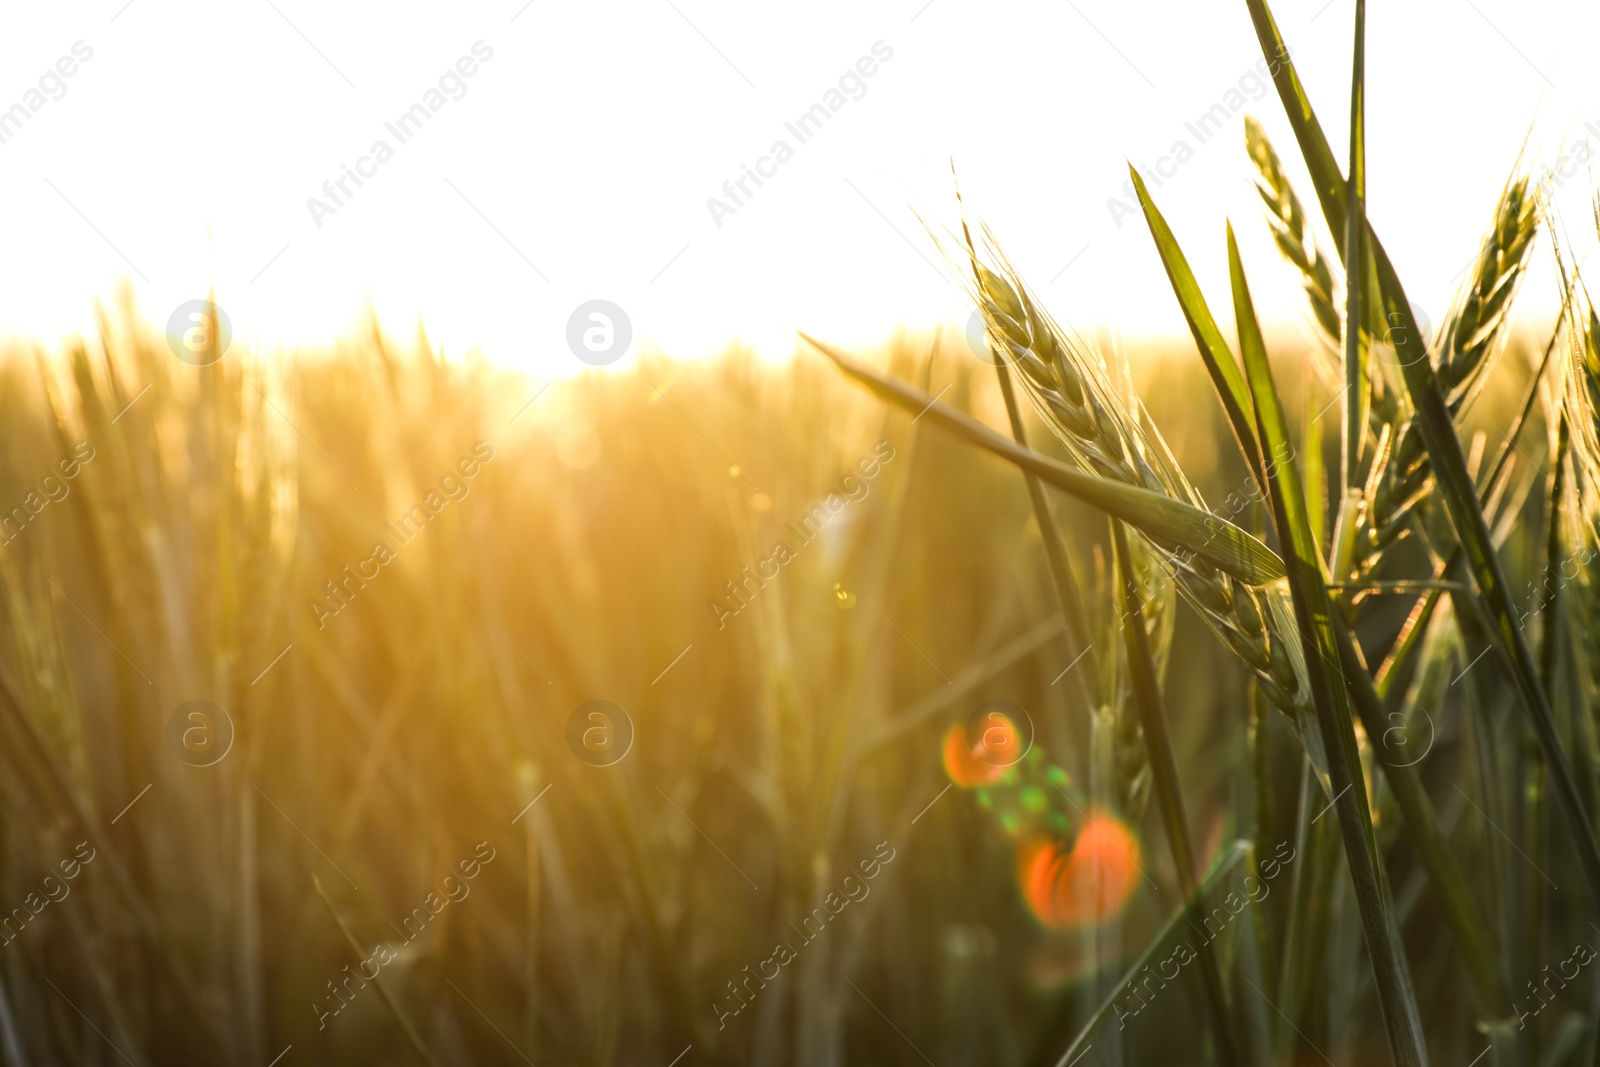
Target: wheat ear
{"x":1072,"y":396}
{"x":1401,"y":478}
{"x":1287,"y":220}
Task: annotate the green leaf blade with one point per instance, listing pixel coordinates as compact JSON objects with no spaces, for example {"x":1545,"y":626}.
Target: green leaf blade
{"x":1214,"y":350}
{"x":1314,"y":615}
{"x":1176,"y":525}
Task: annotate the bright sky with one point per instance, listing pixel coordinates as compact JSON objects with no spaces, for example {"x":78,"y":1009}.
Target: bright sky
{"x":576,"y":159}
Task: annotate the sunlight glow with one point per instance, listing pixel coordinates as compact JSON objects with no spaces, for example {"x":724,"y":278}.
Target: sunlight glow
{"x":483,"y":169}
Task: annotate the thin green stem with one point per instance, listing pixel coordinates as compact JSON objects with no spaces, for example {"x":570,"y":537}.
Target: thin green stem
{"x":1169,"y":793}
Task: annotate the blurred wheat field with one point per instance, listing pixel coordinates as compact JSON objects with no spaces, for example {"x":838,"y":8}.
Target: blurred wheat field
{"x":431,"y":708}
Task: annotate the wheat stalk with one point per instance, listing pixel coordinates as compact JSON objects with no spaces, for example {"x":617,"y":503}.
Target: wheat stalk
{"x":1121,"y":757}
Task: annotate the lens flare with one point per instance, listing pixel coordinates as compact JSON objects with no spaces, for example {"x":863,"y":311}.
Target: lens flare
{"x":981,"y":752}
{"x":1083,"y":885}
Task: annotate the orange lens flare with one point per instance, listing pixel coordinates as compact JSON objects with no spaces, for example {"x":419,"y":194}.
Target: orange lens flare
{"x":1086,"y":884}
{"x":981,"y":753}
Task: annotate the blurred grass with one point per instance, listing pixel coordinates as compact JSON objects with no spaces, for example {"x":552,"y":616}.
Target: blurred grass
{"x":433,"y":708}
{"x":769,"y":760}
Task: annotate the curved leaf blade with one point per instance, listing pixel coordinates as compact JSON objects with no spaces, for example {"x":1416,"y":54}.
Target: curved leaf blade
{"x":1171,"y":523}
{"x":1214,"y":350}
